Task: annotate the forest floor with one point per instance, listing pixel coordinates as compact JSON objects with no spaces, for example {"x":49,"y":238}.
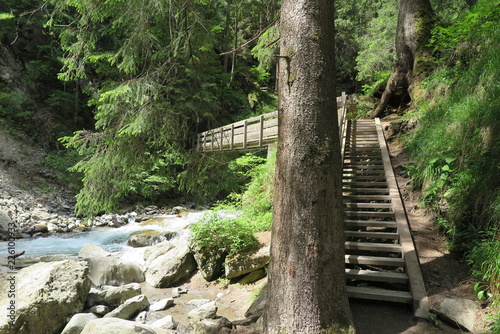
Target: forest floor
{"x":445,"y":276}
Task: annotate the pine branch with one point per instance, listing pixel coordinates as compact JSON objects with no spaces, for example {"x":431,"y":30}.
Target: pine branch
{"x":251,"y":40}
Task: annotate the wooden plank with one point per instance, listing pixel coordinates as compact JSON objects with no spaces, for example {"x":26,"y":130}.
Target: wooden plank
{"x":364,"y":177}
{"x":371,"y":235}
{"x":363,"y":149}
{"x":369,"y":223}
{"x":368,"y":197}
{"x":374,"y":260}
{"x":417,"y":286}
{"x":369,"y":205}
{"x":370,"y":214}
{"x":377,"y":276}
{"x":379,"y":294}
{"x":372,"y":246}
{"x":360,"y":191}
{"x":365,"y":183}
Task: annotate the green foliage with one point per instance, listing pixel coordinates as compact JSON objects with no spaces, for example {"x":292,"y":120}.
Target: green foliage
{"x":494,"y":323}
{"x":377,"y":45}
{"x":244,"y":213}
{"x":456,"y":147}
{"x":16,"y":108}
{"x":455,"y":42}
{"x":155,"y":79}
{"x":60,"y":162}
{"x":221,"y":234}
{"x":255,"y":203}
{"x":484,"y":259}
{"x":266,"y":48}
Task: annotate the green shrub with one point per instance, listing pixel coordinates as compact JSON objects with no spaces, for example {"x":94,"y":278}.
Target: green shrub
{"x":223,"y":234}
{"x":484,"y":260}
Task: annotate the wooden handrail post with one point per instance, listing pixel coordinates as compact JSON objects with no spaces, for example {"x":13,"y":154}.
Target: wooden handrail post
{"x":232,"y":136}
{"x":221,"y":137}
{"x":261,"y":133}
{"x":245,"y":134}
{"x":212,"y":142}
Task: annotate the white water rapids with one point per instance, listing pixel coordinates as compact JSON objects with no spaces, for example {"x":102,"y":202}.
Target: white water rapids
{"x":66,"y":245}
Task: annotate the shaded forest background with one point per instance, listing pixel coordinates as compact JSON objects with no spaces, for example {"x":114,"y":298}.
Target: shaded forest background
{"x":116,"y":90}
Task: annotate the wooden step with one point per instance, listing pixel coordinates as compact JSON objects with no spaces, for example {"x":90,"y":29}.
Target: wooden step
{"x":376,"y":276}
{"x":363,"y":177}
{"x":362,"y":150}
{"x":369,"y":153}
{"x":365,"y":171}
{"x":374,"y":260}
{"x":370,"y":223}
{"x":365,"y":184}
{"x":361,"y":164}
{"x":371,"y":214}
{"x":384,"y":191}
{"x":348,"y":159}
{"x":371,"y":235}
{"x":367,"y":197}
{"x":368,"y":205}
{"x":379,"y":294}
{"x":372,"y":246}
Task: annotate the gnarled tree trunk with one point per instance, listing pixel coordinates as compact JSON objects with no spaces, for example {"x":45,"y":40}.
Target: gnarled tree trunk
{"x":307,"y":289}
{"x":413,"y":56}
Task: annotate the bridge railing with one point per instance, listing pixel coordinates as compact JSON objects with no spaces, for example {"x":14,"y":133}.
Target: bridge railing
{"x":253,"y":132}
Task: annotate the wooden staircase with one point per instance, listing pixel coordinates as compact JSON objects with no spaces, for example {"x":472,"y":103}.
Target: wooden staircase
{"x":381,"y":262}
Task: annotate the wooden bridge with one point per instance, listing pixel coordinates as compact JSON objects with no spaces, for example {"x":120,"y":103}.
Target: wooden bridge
{"x":250,"y":133}
{"x":381,"y":260}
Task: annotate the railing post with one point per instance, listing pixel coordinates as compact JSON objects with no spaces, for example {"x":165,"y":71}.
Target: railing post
{"x":221,"y":137}
{"x":212,"y":141}
{"x":245,"y":134}
{"x":232,"y":136}
{"x":261,"y":133}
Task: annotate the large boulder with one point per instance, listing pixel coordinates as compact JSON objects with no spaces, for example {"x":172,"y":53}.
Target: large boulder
{"x":209,"y":263}
{"x":162,"y":304}
{"x":258,"y":305}
{"x":120,"y":326}
{"x":91,"y":250}
{"x":113,"y":296}
{"x":460,"y":312}
{"x":168,"y":263}
{"x":130,"y":308}
{"x":113,"y":270}
{"x":46,"y":296}
{"x":5,"y":224}
{"x":167,"y":322}
{"x":205,"y":311}
{"x":212,"y":326}
{"x":149,"y":238}
{"x":247,"y":262}
{"x":78,"y":322}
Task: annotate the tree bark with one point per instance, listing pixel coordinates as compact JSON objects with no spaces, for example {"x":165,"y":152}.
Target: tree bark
{"x":307,"y":289}
{"x":413,"y":56}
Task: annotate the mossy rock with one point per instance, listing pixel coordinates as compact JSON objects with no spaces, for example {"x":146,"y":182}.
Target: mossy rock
{"x":149,"y":238}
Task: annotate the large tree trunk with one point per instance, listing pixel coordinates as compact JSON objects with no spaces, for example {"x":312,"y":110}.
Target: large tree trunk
{"x":413,"y":56}
{"x":307,"y":289}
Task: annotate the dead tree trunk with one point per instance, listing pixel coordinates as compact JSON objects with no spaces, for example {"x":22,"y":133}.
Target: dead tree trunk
{"x":307,"y":289}
{"x":413,"y":56}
